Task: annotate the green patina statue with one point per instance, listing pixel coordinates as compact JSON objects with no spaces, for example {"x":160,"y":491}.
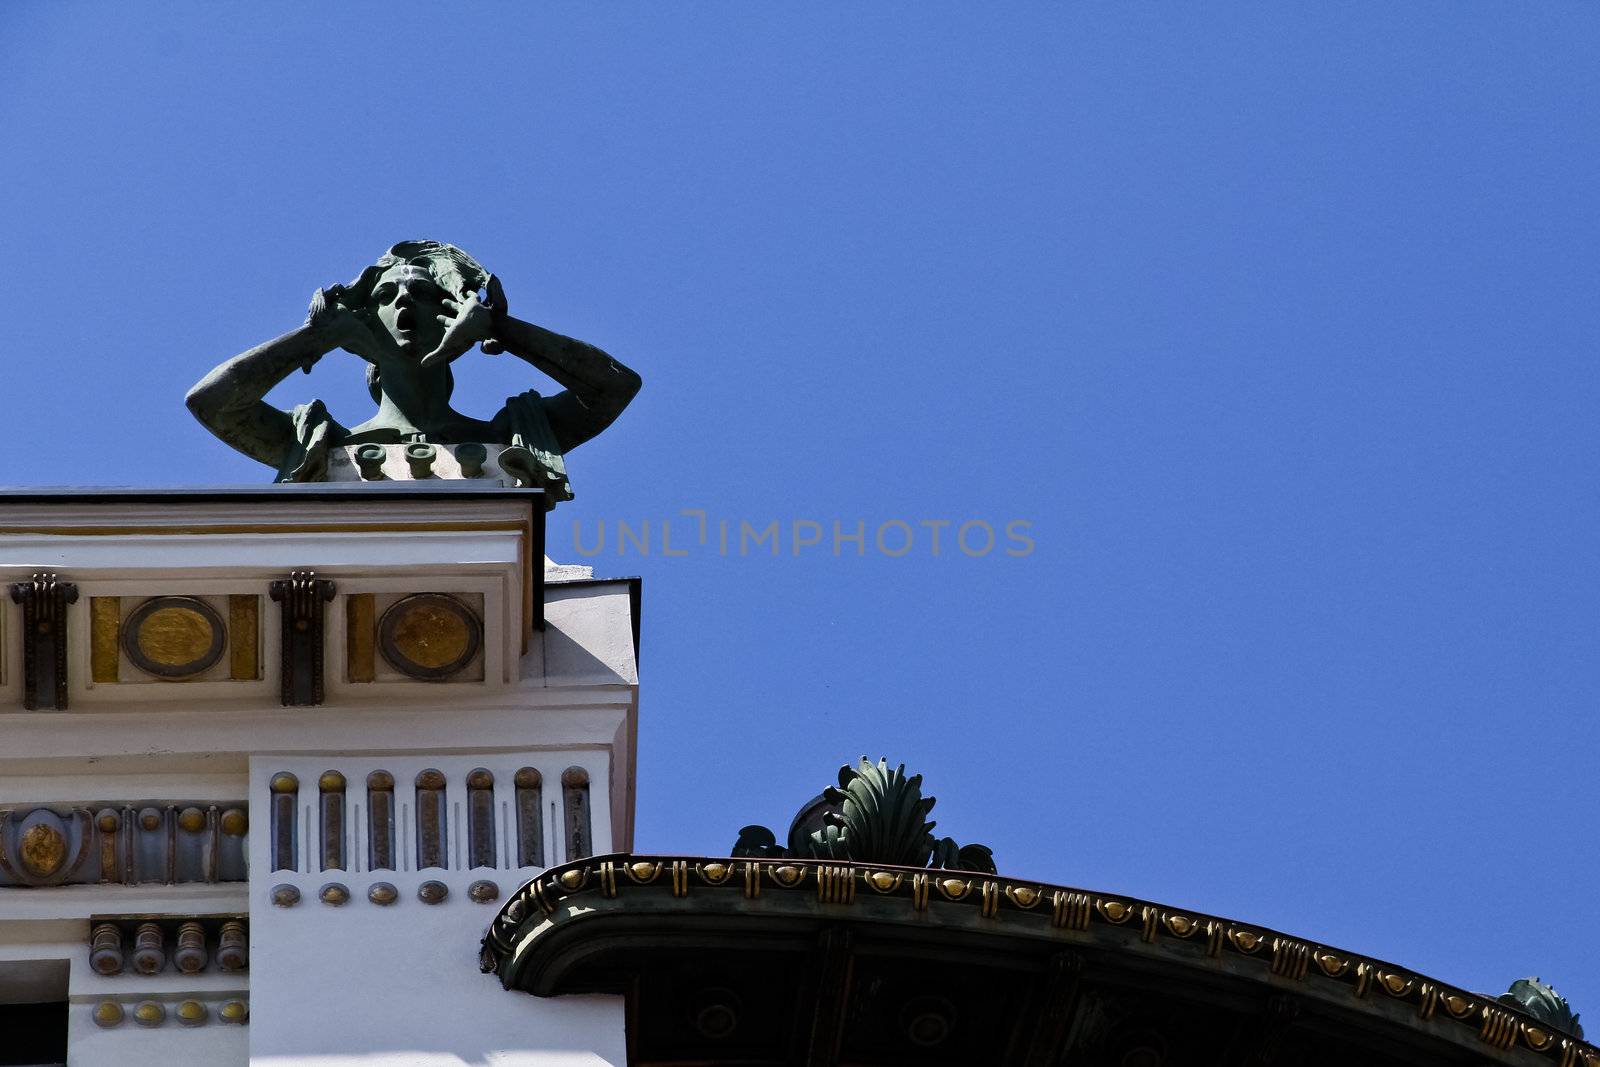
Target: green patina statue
{"x":409,"y":315}
{"x":876,"y":815}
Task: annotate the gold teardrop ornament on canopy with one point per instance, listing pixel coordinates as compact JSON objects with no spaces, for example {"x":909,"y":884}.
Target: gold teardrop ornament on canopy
{"x":429,"y":636}
{"x":174,"y":636}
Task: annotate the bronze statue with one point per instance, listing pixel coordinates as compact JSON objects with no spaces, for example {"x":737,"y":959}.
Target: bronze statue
{"x":420,"y":307}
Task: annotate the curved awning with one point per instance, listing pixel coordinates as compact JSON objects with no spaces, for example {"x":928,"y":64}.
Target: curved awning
{"x":806,"y":961}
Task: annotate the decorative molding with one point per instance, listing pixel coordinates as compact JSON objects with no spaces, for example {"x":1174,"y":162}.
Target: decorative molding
{"x":44,"y":603}
{"x":1529,"y":1018}
{"x":190,"y":1013}
{"x":191,"y":945}
{"x":172,"y":844}
{"x":303,"y":597}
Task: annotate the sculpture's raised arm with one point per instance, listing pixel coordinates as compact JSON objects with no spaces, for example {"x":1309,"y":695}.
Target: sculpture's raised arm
{"x":229,"y":401}
{"x":598,"y":387}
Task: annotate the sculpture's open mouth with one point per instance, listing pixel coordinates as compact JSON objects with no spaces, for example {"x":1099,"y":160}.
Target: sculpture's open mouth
{"x":406,"y":320}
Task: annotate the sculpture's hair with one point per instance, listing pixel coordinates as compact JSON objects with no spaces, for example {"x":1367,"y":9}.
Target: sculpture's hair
{"x":452,"y":269}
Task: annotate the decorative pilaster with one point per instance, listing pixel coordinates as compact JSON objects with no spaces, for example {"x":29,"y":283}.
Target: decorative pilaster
{"x":44,"y":603}
{"x":303,"y":597}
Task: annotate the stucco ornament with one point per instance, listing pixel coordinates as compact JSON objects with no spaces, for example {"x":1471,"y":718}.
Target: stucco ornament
{"x":409,"y":316}
{"x":876,"y":815}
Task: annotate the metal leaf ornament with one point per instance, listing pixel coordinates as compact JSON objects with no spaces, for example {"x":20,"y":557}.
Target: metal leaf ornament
{"x":1543,"y":1003}
{"x":875,"y":815}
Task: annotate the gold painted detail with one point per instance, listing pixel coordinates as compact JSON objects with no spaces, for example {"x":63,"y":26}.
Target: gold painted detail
{"x":244,"y":637}
{"x":42,"y":850}
{"x":1537,"y":1039}
{"x":953,"y":888}
{"x":1070,"y":911}
{"x":644,"y":872}
{"x":1499,"y":1028}
{"x":173,"y":637}
{"x":1290,"y":958}
{"x":429,"y":636}
{"x":1179,"y":925}
{"x":1332,"y":964}
{"x":1396,"y":985}
{"x":1363,"y":977}
{"x":752,"y":880}
{"x":608,"y":879}
{"x":788,"y":875}
{"x":989,"y":906}
{"x":361,"y":633}
{"x":1246,"y":941}
{"x":1429,"y":1000}
{"x":234,"y":1011}
{"x":105,"y":620}
{"x":192,"y":1013}
{"x":1024,"y":897}
{"x":919,"y":891}
{"x":1457,"y":1005}
{"x":836,"y":884}
{"x":1113,"y":911}
{"x":885,"y":881}
{"x":713,"y":873}
{"x":573,"y":880}
{"x":680,"y":878}
{"x":108,"y":1013}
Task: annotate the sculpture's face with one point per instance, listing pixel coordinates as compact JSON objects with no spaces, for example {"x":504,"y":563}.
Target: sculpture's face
{"x":408,"y":304}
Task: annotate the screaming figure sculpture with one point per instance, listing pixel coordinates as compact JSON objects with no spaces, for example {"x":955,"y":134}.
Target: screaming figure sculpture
{"x":409,"y":316}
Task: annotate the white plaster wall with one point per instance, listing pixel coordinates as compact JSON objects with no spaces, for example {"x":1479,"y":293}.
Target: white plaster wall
{"x":399,"y":984}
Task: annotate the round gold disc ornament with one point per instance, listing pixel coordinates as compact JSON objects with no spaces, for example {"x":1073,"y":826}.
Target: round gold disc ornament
{"x":174,"y":636}
{"x":429,"y":636}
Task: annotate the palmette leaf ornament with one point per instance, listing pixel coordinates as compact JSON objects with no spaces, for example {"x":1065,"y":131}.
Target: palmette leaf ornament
{"x":877,"y":814}
{"x":1543,"y":1003}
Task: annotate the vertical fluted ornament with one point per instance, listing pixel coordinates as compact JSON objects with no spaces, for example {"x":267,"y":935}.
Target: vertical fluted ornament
{"x":575,"y":792}
{"x":380,"y":821}
{"x":330,"y":788}
{"x":530,"y":817}
{"x":480,"y":818}
{"x":285,"y":789}
{"x":302,"y":597}
{"x":44,"y":602}
{"x":431,"y":833}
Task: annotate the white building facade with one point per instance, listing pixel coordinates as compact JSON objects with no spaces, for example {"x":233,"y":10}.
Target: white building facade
{"x":271,"y":759}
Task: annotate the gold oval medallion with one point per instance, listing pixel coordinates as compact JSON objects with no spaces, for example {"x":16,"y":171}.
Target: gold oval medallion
{"x":42,"y":850}
{"x":174,"y":637}
{"x":429,"y":636}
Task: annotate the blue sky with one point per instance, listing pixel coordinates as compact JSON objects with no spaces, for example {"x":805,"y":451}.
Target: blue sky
{"x":1275,"y":323}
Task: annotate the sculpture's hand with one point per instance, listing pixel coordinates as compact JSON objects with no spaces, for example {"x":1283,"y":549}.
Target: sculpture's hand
{"x":466,"y":322}
{"x":496,"y":304}
{"x":337,"y":326}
